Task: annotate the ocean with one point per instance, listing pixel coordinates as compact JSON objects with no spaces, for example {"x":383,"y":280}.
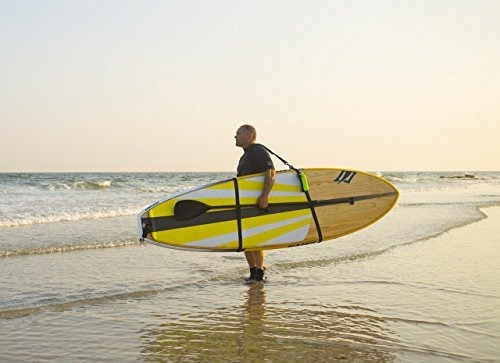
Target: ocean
{"x":76,"y":284}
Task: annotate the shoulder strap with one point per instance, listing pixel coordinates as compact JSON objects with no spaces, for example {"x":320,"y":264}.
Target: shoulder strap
{"x":301,"y":175}
{"x":279,"y":157}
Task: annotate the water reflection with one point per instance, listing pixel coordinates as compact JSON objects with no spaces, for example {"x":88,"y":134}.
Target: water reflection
{"x":276,"y":331}
{"x":251,"y":338}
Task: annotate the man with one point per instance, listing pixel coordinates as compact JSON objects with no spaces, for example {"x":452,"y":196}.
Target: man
{"x":255,"y":160}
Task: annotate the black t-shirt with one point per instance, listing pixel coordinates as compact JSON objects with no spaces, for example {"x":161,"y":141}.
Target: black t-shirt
{"x":255,"y":160}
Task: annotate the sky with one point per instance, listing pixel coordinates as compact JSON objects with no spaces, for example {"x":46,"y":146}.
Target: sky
{"x":163,"y":85}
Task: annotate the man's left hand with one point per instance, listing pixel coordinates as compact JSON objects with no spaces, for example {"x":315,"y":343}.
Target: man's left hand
{"x":262,"y":202}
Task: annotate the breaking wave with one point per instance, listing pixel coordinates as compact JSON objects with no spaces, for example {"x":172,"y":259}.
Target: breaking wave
{"x":66,"y":217}
{"x":81,"y":185}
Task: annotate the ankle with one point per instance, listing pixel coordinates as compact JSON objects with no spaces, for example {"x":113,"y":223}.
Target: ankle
{"x":259,"y":274}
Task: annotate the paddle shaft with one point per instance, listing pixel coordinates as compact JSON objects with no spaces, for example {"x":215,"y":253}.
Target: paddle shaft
{"x":313,"y":203}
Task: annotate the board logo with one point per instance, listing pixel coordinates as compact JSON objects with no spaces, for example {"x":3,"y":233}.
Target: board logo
{"x":345,"y":177}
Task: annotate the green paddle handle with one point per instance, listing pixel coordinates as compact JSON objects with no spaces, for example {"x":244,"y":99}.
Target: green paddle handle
{"x":303,"y":180}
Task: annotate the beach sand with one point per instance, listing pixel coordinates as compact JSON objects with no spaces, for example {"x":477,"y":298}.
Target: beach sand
{"x":436,"y":299}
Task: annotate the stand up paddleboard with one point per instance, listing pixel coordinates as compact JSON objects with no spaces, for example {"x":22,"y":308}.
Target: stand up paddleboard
{"x":223,"y":216}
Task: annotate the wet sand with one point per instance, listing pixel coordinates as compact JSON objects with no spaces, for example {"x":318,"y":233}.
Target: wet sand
{"x":436,"y":299}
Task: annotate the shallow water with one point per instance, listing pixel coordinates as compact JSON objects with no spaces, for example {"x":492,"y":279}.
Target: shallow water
{"x":82,"y":288}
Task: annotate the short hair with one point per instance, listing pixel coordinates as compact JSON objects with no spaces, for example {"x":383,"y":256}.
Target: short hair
{"x":251,"y":130}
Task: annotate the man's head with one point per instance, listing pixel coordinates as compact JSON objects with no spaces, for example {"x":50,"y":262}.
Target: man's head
{"x":245,"y":135}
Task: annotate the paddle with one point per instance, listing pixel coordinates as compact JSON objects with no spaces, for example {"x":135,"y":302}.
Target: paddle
{"x":188,"y":209}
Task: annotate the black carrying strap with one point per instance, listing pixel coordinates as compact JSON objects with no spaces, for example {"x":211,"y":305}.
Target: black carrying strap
{"x":146,"y":228}
{"x":281,"y":159}
{"x":305,"y":189}
{"x":238,"y":214}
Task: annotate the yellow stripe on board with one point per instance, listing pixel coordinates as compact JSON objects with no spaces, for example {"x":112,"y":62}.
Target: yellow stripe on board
{"x":229,"y":246}
{"x":191,"y":234}
{"x":222,"y":186}
{"x":164,"y":209}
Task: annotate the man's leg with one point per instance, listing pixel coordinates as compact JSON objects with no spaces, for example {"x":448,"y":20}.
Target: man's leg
{"x":258,"y":259}
{"x":251,"y":263}
{"x":250,"y":259}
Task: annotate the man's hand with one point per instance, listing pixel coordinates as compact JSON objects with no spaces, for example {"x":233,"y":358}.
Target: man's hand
{"x":262,"y":201}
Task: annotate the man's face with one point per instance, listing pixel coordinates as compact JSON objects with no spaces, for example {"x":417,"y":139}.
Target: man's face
{"x":243,"y":138}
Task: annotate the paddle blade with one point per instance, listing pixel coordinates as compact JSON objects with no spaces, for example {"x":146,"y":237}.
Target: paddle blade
{"x":187,"y":209}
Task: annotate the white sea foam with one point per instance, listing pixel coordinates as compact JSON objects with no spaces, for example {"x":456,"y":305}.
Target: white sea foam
{"x":65,"y":217}
{"x":80,"y":185}
{"x":162,"y":189}
{"x":395,"y":179}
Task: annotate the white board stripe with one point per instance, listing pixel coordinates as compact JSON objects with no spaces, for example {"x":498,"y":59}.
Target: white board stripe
{"x":233,"y":236}
{"x":288,"y":178}
{"x":290,"y":237}
{"x":209,"y":193}
{"x":214,"y":241}
{"x":257,"y":193}
{"x":214,"y":193}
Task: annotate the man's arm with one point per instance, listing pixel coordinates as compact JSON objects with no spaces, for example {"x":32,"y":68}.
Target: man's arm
{"x":269,"y":177}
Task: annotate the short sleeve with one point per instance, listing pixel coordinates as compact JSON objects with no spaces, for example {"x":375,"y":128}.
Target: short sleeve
{"x":261,"y":159}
